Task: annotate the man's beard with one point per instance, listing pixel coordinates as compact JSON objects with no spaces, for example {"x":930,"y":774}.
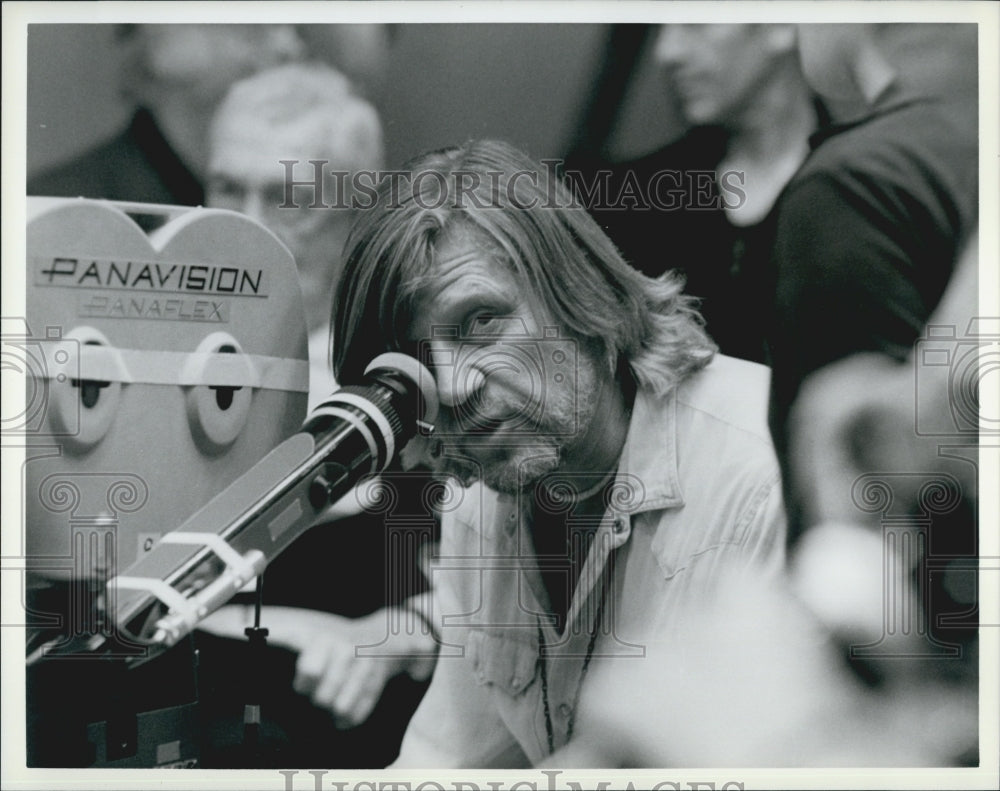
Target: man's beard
{"x":519,"y":463}
{"x":516,"y":472}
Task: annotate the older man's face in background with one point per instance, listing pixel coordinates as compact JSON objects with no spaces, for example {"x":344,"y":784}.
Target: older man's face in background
{"x":246,"y":175}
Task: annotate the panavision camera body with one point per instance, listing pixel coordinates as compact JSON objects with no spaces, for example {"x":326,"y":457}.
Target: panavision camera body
{"x":167,"y":461}
{"x":159,"y":367}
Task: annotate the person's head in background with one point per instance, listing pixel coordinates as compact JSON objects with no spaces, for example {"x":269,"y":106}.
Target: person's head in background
{"x":746,"y":79}
{"x":730,"y":75}
{"x":858,"y":68}
{"x":846,"y":66}
{"x":179,"y":74}
{"x":298,"y":112}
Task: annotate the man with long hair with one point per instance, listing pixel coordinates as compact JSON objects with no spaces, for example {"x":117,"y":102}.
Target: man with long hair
{"x":606,"y":464}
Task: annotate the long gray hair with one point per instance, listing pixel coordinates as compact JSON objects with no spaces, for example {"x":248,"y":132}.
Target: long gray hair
{"x":523,"y":214}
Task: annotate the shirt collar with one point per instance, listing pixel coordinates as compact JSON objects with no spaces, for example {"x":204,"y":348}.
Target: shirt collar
{"x":649,"y":458}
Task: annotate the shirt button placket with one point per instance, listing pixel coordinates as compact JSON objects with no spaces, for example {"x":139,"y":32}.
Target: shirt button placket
{"x":620,"y":528}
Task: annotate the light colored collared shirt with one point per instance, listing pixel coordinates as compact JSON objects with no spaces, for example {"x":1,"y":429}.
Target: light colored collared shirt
{"x":697,"y":486}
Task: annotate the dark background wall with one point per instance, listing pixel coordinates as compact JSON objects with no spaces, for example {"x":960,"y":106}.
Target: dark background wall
{"x":527,"y":83}
{"x":445,"y":83}
{"x":72,"y":91}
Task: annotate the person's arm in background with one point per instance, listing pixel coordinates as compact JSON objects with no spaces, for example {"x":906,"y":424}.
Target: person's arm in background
{"x":343,"y":663}
{"x":845,"y":282}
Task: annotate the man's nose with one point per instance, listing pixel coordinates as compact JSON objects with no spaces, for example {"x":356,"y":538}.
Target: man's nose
{"x":457,"y":380}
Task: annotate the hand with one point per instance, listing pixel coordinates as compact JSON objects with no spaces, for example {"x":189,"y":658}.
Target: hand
{"x":329,"y":670}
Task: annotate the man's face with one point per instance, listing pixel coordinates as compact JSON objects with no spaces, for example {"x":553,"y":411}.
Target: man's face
{"x":715,"y":71}
{"x":518,"y":397}
{"x":246,"y":175}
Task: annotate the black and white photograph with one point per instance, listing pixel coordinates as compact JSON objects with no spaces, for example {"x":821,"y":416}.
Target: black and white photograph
{"x":500,"y":395}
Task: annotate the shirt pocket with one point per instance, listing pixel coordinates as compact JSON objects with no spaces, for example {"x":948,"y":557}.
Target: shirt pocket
{"x":502,"y":662}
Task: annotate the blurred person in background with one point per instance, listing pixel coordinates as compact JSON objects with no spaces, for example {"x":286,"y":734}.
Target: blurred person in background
{"x":329,"y":594}
{"x":174,"y":76}
{"x":870,"y":228}
{"x":870,"y":236}
{"x":300,"y":122}
{"x":740,"y":90}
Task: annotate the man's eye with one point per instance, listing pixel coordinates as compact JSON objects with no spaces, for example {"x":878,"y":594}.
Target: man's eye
{"x":493,"y":325}
{"x":485,"y":324}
